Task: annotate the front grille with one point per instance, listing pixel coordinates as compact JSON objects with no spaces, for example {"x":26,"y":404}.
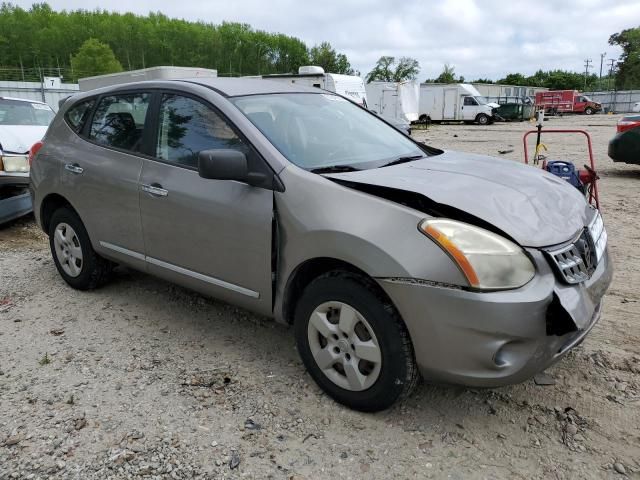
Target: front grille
{"x":577,"y":261}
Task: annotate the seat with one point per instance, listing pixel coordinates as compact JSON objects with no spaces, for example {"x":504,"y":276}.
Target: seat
{"x":119,"y":130}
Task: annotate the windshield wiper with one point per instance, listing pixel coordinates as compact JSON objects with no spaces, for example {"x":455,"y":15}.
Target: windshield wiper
{"x":335,"y":169}
{"x":400,"y":160}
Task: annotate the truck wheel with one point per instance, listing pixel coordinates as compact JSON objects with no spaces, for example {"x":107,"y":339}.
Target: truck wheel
{"x":589,"y":111}
{"x":354,"y":343}
{"x":482,"y":119}
{"x":77,"y":263}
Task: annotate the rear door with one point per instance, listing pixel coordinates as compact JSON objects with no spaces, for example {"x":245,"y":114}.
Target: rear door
{"x":450,"y":105}
{"x":210,"y":235}
{"x":101,"y":169}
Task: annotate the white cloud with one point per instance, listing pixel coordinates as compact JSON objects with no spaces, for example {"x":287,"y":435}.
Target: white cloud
{"x":482,"y":38}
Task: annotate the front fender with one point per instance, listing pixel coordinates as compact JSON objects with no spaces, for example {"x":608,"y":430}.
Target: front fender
{"x":319,"y":218}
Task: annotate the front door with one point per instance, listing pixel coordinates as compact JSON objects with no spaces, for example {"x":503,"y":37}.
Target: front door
{"x":102,"y":182}
{"x":450,"y":105}
{"x":469,"y":108}
{"x":210,"y":235}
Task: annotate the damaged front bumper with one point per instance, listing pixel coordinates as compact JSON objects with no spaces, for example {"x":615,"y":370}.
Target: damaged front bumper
{"x":498,"y":338}
{"x":15,"y":199}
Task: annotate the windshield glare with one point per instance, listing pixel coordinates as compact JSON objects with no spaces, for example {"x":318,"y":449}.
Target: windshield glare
{"x":16,"y":112}
{"x":319,"y":130}
{"x":481,"y":100}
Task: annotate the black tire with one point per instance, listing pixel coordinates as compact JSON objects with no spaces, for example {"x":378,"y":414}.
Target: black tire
{"x":589,"y":111}
{"x":95,"y":270}
{"x":398,"y":374}
{"x":482,"y":119}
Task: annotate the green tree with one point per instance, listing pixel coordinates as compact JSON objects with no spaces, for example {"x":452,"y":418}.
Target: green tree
{"x":388,"y":70}
{"x":325,"y":56}
{"x":94,"y":58}
{"x":513,"y":79}
{"x":628,"y":72}
{"x":448,"y":74}
{"x":42,"y":40}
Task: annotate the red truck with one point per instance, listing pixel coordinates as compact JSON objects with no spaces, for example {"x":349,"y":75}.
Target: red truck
{"x":566,"y":101}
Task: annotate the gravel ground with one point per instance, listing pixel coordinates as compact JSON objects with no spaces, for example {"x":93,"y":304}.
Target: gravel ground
{"x":142,"y":379}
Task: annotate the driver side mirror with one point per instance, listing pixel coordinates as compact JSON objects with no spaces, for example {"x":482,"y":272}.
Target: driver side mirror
{"x":223,"y":164}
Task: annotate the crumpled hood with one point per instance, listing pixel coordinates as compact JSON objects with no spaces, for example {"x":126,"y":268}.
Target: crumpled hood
{"x":534,"y":207}
{"x":20,"y":138}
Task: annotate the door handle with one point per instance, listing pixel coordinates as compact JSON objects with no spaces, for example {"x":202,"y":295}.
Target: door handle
{"x":74,"y":168}
{"x":155,"y":189}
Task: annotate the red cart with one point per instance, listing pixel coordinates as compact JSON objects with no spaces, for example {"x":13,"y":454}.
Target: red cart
{"x":588,"y":176}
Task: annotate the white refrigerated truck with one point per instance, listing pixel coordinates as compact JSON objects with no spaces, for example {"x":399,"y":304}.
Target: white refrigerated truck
{"x":350,"y":86}
{"x":454,"y":102}
{"x":152,"y":73}
{"x":394,"y":101}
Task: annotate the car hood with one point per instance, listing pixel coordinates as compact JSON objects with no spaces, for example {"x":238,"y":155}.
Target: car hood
{"x":532,"y":206}
{"x":20,"y":138}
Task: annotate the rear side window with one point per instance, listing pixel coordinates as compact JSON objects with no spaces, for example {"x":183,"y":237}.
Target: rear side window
{"x":187,"y":127}
{"x":77,"y":115}
{"x":119,"y":120}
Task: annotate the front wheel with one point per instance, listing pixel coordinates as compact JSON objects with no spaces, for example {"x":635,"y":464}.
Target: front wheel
{"x":77,"y":263}
{"x":353,"y":342}
{"x":482,"y":119}
{"x":589,"y":111}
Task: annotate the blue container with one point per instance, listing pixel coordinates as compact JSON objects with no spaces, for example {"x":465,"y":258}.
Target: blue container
{"x":566,"y":171}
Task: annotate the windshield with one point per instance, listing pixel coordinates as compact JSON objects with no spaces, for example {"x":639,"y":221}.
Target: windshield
{"x":16,"y":112}
{"x":586,"y":99}
{"x":321,"y":130}
{"x":481,"y":100}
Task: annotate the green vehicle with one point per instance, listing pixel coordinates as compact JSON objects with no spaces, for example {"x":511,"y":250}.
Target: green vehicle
{"x":515,"y":111}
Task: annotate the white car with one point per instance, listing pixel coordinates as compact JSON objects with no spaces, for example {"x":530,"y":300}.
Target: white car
{"x":22,"y":123}
{"x":636,"y":107}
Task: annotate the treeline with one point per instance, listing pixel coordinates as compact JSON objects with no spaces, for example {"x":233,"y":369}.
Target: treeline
{"x":553,"y":79}
{"x":41,"y":39}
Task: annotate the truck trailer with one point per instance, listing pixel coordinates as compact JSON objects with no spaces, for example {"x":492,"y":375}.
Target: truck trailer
{"x":566,"y":101}
{"x":456,"y":102}
{"x":396,"y":102}
{"x":152,"y":73}
{"x":349,"y":86}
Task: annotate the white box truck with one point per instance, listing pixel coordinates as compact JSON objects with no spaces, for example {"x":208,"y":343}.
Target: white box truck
{"x":394,"y":101}
{"x":152,"y":73}
{"x":349,"y":86}
{"x":459,"y":102}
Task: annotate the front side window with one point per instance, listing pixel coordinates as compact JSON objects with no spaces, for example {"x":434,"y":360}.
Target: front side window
{"x":119,"y":120}
{"x":315,"y":130}
{"x":18,"y":112}
{"x":77,"y":115}
{"x":187,"y":127}
{"x":469,"y":101}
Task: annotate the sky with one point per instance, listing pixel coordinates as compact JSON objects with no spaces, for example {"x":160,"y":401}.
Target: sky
{"x":481,"y":38}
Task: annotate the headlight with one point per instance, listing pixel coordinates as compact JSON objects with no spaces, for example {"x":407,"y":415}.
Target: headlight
{"x":14,"y":163}
{"x":487,"y":260}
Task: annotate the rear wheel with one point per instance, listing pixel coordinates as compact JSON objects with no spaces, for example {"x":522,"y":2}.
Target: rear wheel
{"x":77,"y":263}
{"x":482,"y":119}
{"x":353,"y":342}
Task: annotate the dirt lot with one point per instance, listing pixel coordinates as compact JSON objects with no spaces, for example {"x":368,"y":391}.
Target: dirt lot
{"x":144,"y":379}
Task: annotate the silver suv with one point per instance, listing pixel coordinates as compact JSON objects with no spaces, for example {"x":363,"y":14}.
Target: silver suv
{"x":389,"y":257}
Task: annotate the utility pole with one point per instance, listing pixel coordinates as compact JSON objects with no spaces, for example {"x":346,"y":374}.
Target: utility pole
{"x":612,"y":63}
{"x":587,"y":66}
{"x":613,"y":96}
{"x":602,"y":55}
